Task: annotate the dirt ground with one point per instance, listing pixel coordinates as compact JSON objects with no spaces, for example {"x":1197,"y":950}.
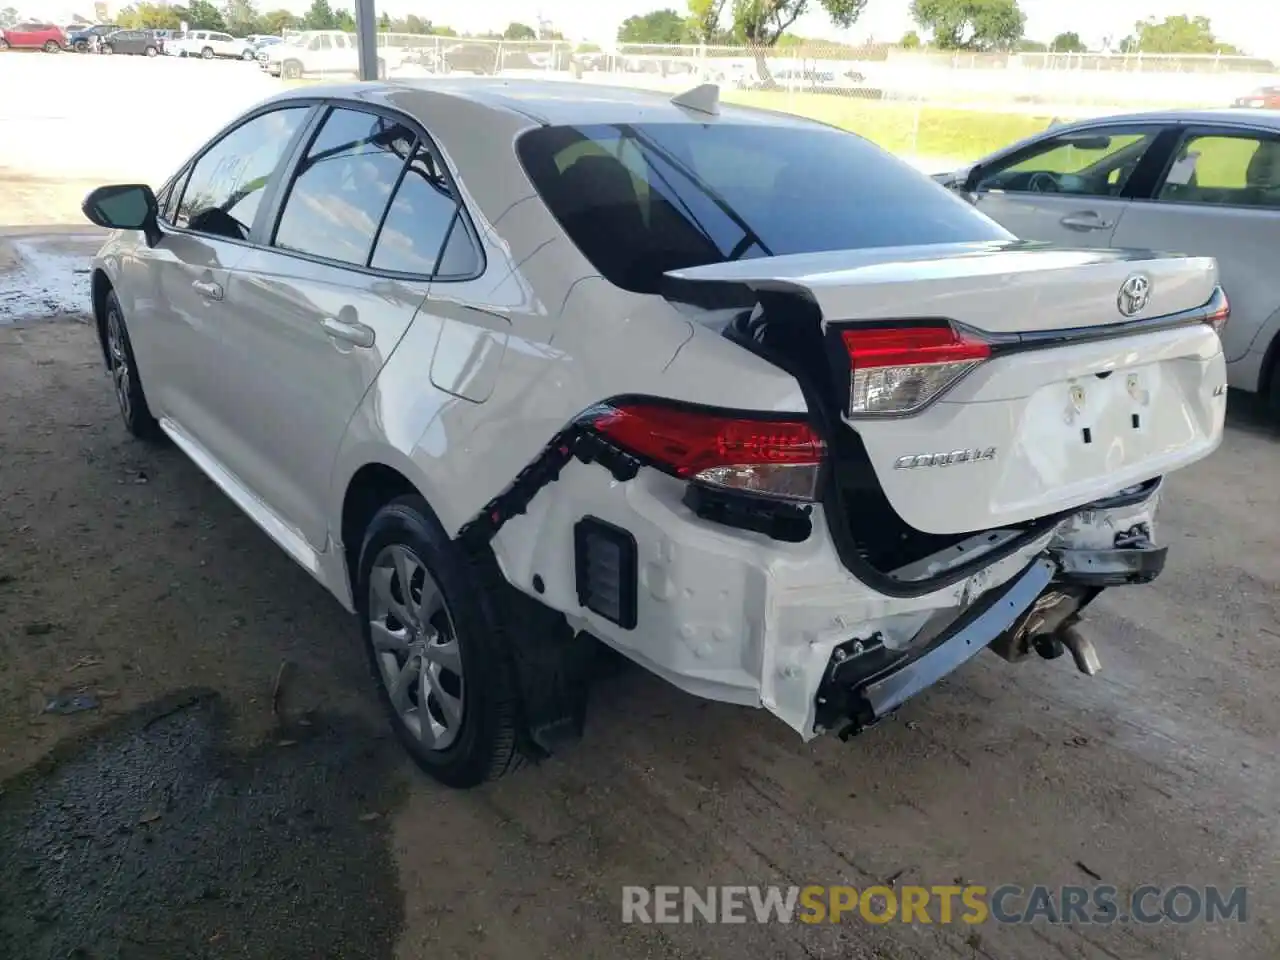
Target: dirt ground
{"x":248,"y":824}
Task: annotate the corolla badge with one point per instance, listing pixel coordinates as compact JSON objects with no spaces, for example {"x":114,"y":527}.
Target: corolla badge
{"x":954,"y":457}
{"x":1135,"y":292}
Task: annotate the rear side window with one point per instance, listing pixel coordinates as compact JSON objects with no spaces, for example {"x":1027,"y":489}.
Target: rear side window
{"x":421,"y":216}
{"x":343,"y":185}
{"x":641,"y":199}
{"x":1229,"y":169}
{"x":226,"y":185}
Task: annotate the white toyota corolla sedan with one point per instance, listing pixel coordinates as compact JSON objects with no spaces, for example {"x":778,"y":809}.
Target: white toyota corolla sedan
{"x":516,"y":368}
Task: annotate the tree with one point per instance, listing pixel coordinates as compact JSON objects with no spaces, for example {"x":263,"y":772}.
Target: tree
{"x":276,"y":22}
{"x":910,"y":41}
{"x":319,"y":16}
{"x":704,"y":20}
{"x":203,"y":15}
{"x":151,"y":16}
{"x":762,"y":22}
{"x":241,"y":17}
{"x":344,"y":20}
{"x":1178,"y":34}
{"x":8,"y":16}
{"x":384,"y":22}
{"x":971,"y":24}
{"x":660,"y":26}
{"x":415,"y":24}
{"x":519,"y":31}
{"x":1068,"y":42}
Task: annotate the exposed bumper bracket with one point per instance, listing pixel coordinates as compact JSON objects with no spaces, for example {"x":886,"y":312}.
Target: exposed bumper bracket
{"x":1140,"y":561}
{"x":865,"y":688}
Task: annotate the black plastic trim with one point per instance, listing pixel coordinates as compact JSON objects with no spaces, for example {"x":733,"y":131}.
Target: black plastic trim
{"x":1140,"y":563}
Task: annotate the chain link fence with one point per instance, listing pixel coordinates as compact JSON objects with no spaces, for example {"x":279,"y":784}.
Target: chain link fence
{"x":942,"y":108}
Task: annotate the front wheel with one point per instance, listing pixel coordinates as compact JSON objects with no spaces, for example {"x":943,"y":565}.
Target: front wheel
{"x":106,"y":49}
{"x":207,"y":53}
{"x":436,"y":649}
{"x":123,"y":368}
{"x":4,"y":44}
{"x":247,"y":55}
{"x":51,"y":46}
{"x":291,"y":70}
{"x":151,"y":52}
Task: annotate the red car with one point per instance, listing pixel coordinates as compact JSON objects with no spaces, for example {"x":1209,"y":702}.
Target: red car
{"x":1266,"y":97}
{"x":33,"y":36}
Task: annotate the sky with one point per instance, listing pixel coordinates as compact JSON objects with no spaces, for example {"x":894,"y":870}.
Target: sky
{"x":1252,"y":25}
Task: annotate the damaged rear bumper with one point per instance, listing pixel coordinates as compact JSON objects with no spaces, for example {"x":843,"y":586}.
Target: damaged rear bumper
{"x":1035,"y":610}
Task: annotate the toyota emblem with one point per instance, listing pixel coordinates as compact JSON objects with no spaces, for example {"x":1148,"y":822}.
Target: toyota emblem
{"x":1134,"y":294}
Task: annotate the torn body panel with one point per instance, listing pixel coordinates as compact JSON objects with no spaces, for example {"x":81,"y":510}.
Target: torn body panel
{"x":738,"y":616}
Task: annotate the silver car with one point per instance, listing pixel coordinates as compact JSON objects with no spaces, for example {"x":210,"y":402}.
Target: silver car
{"x":1203,"y":182}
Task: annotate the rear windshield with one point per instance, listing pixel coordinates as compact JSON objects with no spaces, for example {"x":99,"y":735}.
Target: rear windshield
{"x":641,"y":199}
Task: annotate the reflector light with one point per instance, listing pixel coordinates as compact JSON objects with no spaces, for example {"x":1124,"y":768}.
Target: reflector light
{"x":777,"y":458}
{"x":898,"y":370}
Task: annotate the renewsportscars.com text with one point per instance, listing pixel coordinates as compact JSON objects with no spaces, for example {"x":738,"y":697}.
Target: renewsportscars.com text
{"x":1008,"y":903}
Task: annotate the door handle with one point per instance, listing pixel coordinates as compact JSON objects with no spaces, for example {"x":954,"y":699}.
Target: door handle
{"x":1085,"y":221}
{"x":208,"y":288}
{"x":351,"y":332}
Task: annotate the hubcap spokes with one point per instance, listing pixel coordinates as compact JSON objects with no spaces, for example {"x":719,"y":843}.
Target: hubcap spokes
{"x":416,"y":647}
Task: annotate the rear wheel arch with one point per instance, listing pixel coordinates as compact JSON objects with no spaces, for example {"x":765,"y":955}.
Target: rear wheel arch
{"x":370,"y":488}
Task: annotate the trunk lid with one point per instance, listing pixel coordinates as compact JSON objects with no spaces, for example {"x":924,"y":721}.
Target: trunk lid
{"x":1086,"y":390}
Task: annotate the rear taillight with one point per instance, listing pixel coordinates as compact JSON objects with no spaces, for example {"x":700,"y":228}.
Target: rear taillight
{"x":770,"y":457}
{"x":1222,"y":312}
{"x":898,"y":370}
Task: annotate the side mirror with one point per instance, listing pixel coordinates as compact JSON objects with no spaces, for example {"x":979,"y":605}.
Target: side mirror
{"x":129,"y":206}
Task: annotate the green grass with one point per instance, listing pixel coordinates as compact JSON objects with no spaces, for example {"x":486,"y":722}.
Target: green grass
{"x":905,"y":128}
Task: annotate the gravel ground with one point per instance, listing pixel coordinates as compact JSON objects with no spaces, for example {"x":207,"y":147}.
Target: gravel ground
{"x":228,"y":792}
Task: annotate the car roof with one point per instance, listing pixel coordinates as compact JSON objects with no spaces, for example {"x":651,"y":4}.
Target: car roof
{"x":545,"y":102}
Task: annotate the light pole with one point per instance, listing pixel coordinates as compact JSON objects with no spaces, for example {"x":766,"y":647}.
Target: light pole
{"x":367,"y":39}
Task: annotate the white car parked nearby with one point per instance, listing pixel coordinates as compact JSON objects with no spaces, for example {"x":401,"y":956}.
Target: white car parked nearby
{"x":738,"y":394}
{"x":209,"y":44}
{"x":316,"y":53}
{"x":1203,"y":182}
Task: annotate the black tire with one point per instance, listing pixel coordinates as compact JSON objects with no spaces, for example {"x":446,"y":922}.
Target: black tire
{"x":206,"y":53}
{"x":485,"y":746}
{"x":126,"y":383}
{"x":248,"y":55}
{"x":4,"y":44}
{"x":107,"y":49}
{"x":151,"y":52}
{"x":291,"y":70}
{"x":81,"y":46}
{"x":51,"y":46}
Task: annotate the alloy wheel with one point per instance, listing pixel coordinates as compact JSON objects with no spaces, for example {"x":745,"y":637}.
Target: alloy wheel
{"x":416,"y":647}
{"x":121,"y":377}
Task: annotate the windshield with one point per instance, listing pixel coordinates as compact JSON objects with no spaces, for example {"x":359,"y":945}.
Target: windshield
{"x":641,"y":199}
{"x":298,"y":40}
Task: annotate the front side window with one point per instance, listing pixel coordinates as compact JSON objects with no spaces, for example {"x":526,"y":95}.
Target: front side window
{"x":1081,"y":163}
{"x":642,"y":199}
{"x":342,"y":186}
{"x":420,"y":218}
{"x":1226,"y":169}
{"x":224,"y":190}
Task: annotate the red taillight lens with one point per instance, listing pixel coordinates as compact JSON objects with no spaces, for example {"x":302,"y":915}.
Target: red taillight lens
{"x":897,"y":370}
{"x":778,"y":458}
